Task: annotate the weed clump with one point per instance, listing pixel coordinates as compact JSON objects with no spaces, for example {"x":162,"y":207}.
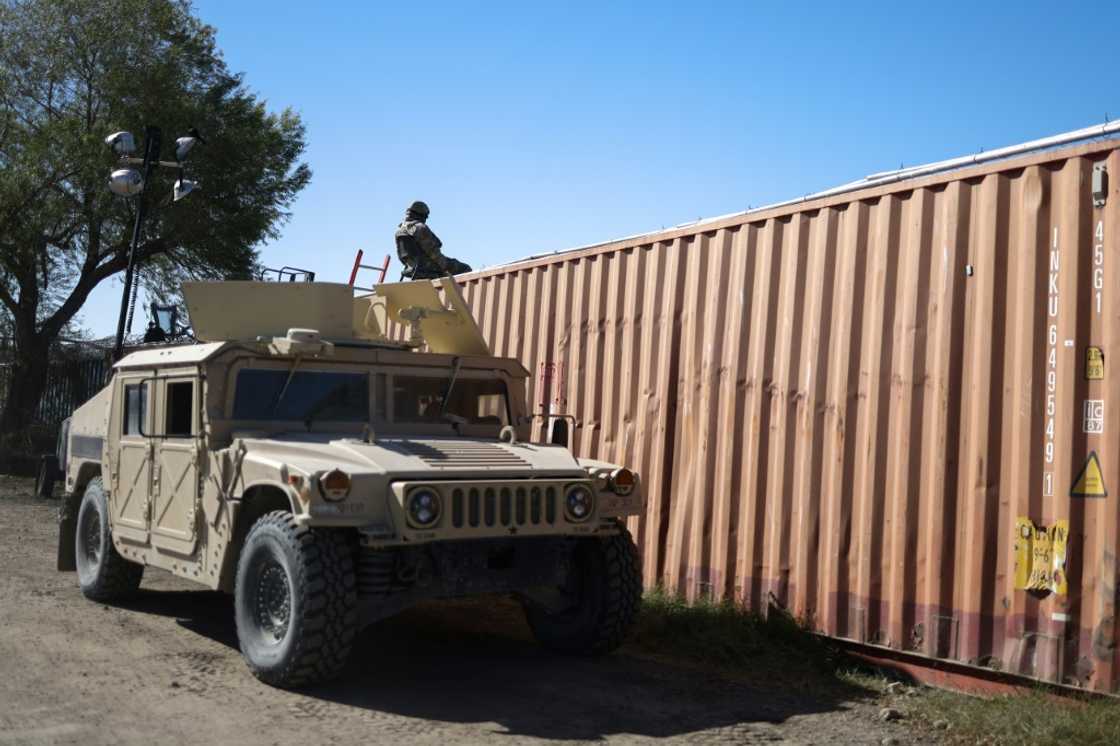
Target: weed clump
{"x":729,"y":636}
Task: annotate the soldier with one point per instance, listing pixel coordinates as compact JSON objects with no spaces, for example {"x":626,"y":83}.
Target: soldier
{"x":418,"y":247}
{"x":154,"y":333}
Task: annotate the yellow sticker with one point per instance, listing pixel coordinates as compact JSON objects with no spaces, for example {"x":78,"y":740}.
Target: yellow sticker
{"x":1040,"y":556}
{"x":1094,"y":364}
{"x":1090,"y":482}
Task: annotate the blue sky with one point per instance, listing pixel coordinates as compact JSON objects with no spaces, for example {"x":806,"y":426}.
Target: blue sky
{"x":531,"y":127}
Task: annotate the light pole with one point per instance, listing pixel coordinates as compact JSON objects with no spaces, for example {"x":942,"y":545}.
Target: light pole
{"x":128,"y":182}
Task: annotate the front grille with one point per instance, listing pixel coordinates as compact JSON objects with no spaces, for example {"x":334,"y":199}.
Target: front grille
{"x":455,"y":454}
{"x":503,"y":507}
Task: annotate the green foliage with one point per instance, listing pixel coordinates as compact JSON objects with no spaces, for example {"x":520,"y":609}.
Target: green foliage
{"x":1035,"y":717}
{"x":781,"y":651}
{"x":726,"y":635}
{"x":74,"y":71}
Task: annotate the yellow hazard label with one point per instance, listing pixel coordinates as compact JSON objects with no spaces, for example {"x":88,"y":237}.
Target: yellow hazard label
{"x":1040,"y":556}
{"x":1094,"y":364}
{"x":1090,"y":482}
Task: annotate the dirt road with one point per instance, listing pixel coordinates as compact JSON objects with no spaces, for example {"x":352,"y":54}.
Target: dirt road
{"x":166,"y":669}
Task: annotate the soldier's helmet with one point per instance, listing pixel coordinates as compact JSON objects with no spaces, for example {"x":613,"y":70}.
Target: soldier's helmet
{"x":419,"y":209}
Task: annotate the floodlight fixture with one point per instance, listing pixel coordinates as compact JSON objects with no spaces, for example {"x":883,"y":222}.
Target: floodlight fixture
{"x":121,"y":143}
{"x":126,"y":182}
{"x":183,"y":187}
{"x":183,"y":146}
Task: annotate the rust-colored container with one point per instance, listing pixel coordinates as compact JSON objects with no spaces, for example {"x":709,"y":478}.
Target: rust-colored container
{"x":893,"y":410}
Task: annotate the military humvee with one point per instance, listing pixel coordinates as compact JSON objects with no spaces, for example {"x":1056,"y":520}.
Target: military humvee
{"x":328,"y":477}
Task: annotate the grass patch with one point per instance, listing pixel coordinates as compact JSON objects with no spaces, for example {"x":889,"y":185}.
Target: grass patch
{"x":729,"y":637}
{"x":1034,"y":717}
{"x":779,"y":650}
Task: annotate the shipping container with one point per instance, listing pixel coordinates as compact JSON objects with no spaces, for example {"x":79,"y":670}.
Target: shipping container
{"x":891,"y":410}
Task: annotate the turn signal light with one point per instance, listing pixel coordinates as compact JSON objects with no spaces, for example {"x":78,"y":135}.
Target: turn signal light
{"x":335,"y":484}
{"x":622,"y":481}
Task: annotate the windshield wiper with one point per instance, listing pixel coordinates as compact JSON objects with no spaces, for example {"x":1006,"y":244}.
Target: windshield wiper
{"x":283,"y":391}
{"x":333,"y":397}
{"x":455,"y":364}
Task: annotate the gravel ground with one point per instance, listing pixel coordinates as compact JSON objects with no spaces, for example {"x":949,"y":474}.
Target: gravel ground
{"x":166,"y":668}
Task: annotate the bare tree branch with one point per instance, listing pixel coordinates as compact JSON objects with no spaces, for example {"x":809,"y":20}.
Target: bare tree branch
{"x":7,"y":299}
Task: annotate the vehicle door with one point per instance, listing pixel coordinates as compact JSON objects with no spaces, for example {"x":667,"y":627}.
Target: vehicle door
{"x":131,"y":475}
{"x":175,"y":476}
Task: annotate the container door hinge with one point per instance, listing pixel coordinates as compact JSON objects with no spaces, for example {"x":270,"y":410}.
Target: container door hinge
{"x":1100,"y":185}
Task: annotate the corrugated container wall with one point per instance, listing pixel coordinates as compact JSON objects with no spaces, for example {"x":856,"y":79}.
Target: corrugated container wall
{"x":848,"y":407}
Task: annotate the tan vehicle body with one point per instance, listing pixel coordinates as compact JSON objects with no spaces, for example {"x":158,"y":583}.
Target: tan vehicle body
{"x":183,"y":500}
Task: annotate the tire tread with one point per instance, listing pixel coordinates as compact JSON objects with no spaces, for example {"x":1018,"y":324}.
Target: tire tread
{"x":119,"y":578}
{"x":603,"y":632}
{"x":327,"y":585}
{"x":624,"y":593}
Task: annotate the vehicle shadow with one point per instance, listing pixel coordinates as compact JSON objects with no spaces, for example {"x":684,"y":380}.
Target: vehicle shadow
{"x":473,"y":662}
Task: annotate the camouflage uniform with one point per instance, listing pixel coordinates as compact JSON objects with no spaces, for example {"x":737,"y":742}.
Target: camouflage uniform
{"x":422,"y":253}
{"x":418,"y":248}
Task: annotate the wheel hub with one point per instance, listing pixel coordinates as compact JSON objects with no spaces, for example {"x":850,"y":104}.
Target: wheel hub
{"x":91,"y":532}
{"x":273,"y":601}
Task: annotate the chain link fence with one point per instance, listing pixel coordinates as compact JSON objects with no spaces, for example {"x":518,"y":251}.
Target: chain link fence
{"x":76,"y":372}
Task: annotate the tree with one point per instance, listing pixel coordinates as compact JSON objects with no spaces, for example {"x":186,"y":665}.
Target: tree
{"x":74,"y":71}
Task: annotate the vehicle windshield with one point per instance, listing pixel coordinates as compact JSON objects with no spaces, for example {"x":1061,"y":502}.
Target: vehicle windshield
{"x":472,"y":401}
{"x":401,"y":402}
{"x":308,"y":396}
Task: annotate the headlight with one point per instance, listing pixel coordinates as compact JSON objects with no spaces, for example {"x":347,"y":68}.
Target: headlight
{"x":335,"y":485}
{"x":579,"y":503}
{"x":423,"y":508}
{"x":621,"y":481}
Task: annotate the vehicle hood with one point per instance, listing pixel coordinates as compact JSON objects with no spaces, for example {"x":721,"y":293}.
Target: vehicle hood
{"x":424,"y":457}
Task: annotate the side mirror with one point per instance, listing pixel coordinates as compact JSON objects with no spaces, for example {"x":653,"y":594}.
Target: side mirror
{"x":558,"y":434}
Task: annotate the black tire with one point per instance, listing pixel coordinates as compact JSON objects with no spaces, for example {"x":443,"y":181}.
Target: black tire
{"x":606,"y":581}
{"x":295,"y":602}
{"x":103,"y":574}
